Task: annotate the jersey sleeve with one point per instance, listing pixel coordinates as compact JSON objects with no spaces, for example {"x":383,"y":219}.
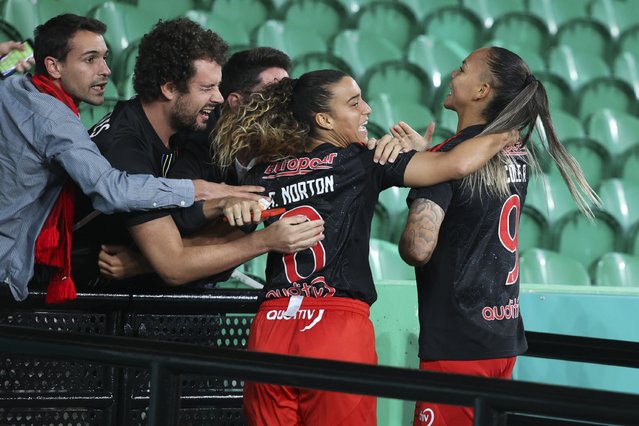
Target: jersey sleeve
{"x":441,"y":194}
{"x":388,"y":174}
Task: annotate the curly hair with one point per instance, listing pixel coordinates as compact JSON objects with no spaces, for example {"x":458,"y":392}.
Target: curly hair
{"x":263,"y":126}
{"x":276,"y":123}
{"x":166,"y":54}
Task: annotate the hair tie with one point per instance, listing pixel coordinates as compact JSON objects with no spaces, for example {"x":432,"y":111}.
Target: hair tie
{"x":529,"y":79}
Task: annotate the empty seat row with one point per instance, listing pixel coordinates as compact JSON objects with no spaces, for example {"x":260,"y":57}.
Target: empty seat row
{"x":614,"y":269}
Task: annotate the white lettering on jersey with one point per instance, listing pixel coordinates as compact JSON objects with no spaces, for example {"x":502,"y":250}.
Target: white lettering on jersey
{"x":516,"y":173}
{"x":307,"y":189}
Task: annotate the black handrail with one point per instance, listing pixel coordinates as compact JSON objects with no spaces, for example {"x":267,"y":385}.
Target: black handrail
{"x":167,"y":360}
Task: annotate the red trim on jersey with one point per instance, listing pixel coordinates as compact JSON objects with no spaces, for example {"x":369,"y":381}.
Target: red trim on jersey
{"x":441,"y":145}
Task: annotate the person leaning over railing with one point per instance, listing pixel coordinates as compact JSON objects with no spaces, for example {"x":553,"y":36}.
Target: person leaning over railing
{"x":46,"y":152}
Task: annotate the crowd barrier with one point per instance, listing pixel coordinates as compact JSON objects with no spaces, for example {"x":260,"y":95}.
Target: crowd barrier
{"x":100,"y":376}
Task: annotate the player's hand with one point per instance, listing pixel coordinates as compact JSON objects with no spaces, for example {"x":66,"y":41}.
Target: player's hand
{"x":205,"y":190}
{"x":386,"y":149}
{"x":510,"y":138}
{"x":242,"y":211}
{"x":8,"y":46}
{"x":292,"y":234}
{"x":120,"y":262}
{"x":411,"y":139}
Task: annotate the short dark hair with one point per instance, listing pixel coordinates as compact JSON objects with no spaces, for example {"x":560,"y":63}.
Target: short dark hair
{"x":52,"y":37}
{"x":241,"y":72}
{"x":166,"y":54}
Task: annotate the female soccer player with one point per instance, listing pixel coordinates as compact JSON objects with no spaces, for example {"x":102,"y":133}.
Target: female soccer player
{"x":309,"y":138}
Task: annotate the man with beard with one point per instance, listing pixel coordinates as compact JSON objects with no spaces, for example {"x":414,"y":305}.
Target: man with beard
{"x":177,"y":76}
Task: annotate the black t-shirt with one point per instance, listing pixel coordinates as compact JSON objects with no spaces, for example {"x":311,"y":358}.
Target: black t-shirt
{"x":127,"y":139}
{"x":340,"y":186}
{"x":469,"y":290}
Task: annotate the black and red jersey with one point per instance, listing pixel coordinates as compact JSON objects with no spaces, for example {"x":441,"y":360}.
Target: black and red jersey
{"x":340,"y":186}
{"x":469,"y":290}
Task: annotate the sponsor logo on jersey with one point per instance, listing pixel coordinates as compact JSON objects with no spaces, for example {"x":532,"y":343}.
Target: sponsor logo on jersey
{"x":298,"y":166}
{"x":499,"y":313}
{"x":427,"y":417}
{"x":317,"y":288}
{"x":315,"y":315}
{"x":306,"y":189}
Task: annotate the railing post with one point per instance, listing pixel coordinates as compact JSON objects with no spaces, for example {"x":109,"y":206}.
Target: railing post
{"x":164,"y":396}
{"x":485,"y":415}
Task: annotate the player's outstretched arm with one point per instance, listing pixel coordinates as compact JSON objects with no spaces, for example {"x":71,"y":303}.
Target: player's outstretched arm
{"x":429,"y":168}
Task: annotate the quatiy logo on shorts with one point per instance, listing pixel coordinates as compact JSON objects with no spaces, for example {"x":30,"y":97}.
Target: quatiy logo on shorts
{"x":427,"y":417}
{"x":313,"y":315}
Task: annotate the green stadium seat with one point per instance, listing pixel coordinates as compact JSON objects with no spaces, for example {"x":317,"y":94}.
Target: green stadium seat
{"x":567,"y":126}
{"x":117,"y":37}
{"x":549,"y":195}
{"x":558,"y":91}
{"x":578,"y":67}
{"x":362,"y":50}
{"x":438,"y":57}
{"x":586,"y":240}
{"x":615,"y":130}
{"x":554,"y":13}
{"x":22,"y":15}
{"x":165,"y":9}
{"x":617,"y":270}
{"x":629,"y":165}
{"x":489,"y":11}
{"x":468,"y":29}
{"x":291,"y":39}
{"x":421,"y":9}
{"x":585,"y":35}
{"x":47,"y":9}
{"x":392,"y":21}
{"x":632,"y":243}
{"x":605,"y":93}
{"x":353,"y":6}
{"x":620,"y":198}
{"x":8,"y":32}
{"x":629,"y":41}
{"x":535,"y":60}
{"x":326,"y":18}
{"x":626,"y":68}
{"x":317,"y":61}
{"x":393,"y":200}
{"x":247,"y":13}
{"x":386,"y":113}
{"x":398,"y":80}
{"x":615,"y":15}
{"x":525,"y":31}
{"x":539,"y":266}
{"x":533,"y":229}
{"x":380,"y":226}
{"x":446,"y":120}
{"x":236,"y":36}
{"x":593,"y":158}
{"x":385,"y":262}
{"x":256,"y":267}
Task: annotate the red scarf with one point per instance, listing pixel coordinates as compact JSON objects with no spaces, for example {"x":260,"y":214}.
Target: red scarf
{"x":53,"y":246}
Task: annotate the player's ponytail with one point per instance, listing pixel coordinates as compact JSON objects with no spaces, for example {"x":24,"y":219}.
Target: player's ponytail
{"x":520,"y":102}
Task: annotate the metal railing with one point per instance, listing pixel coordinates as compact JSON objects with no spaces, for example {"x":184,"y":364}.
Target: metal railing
{"x":496,"y":402}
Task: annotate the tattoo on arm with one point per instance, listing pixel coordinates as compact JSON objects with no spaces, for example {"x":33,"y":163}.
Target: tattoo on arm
{"x":419,"y":238}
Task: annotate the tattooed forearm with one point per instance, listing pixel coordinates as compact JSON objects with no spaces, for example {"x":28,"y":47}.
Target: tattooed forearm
{"x":419,"y":238}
